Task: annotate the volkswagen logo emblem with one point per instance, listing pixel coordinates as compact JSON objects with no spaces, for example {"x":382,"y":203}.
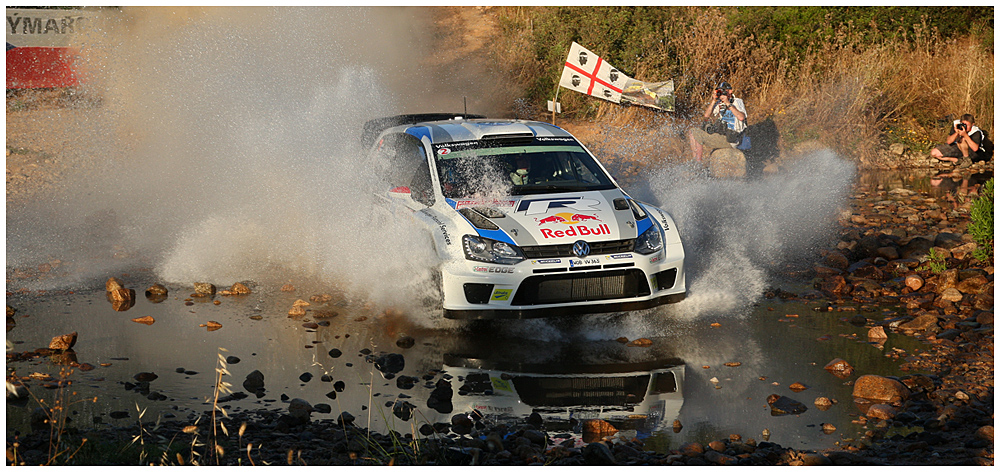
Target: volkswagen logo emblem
{"x":581,"y":249}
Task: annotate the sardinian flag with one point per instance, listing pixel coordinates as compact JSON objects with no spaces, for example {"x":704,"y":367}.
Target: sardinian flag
{"x":587,"y":73}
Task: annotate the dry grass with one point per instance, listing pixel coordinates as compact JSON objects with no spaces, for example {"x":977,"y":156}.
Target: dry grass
{"x":852,"y":96}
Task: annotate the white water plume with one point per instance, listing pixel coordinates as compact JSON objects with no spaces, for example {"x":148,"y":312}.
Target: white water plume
{"x":225,"y":148}
{"x":736,"y":233}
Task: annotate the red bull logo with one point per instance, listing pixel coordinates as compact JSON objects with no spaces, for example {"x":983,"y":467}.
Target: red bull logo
{"x":575,"y":229}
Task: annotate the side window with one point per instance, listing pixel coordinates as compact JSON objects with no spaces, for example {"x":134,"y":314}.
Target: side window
{"x":407,"y":166}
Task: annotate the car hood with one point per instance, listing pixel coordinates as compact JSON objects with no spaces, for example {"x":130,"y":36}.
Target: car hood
{"x":549,"y":219}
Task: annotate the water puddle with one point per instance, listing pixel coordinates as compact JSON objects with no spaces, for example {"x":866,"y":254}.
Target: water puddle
{"x":712,"y":375}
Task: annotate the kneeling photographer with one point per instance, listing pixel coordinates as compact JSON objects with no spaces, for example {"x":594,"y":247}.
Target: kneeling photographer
{"x":727,"y":118}
{"x":965,"y":144}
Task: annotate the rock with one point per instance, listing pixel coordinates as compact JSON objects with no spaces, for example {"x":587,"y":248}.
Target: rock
{"x":984,"y":317}
{"x":536,"y":437}
{"x":717,"y":446}
{"x":973,"y":285}
{"x":840,"y":368}
{"x":296,"y":311}
{"x":677,"y":426}
{"x":916,"y":247}
{"x":823,"y":403}
{"x":718,"y":458}
{"x":948,"y":240}
{"x":727,"y":163}
{"x":877,"y":333}
{"x":239,"y":288}
{"x":63,"y":342}
{"x":887,"y":252}
{"x":798,"y":387}
{"x":828,"y":428}
{"x":837,"y":261}
{"x":782,"y":405}
{"x":213,"y":325}
{"x":952,"y":295}
{"x":985,"y":433}
{"x":405,"y":342}
{"x":156,"y":290}
{"x":254,"y":382}
{"x":914,"y":282}
{"x":403,"y":410}
{"x":145,"y":377}
{"x":205,"y":289}
{"x":641,"y":342}
{"x":121,"y":295}
{"x":596,"y":429}
{"x":880,"y":389}
{"x":299,"y":409}
{"x":440,"y":398}
{"x":306,"y":377}
{"x":898,"y":149}
{"x":947,"y":279}
{"x":288,"y":288}
{"x":301,"y":302}
{"x":335,"y":353}
{"x":390,"y":363}
{"x":925,"y":322}
{"x":113,"y":284}
{"x":881,"y":411}
{"x":345,"y":418}
{"x":597,"y":453}
{"x":963,"y":251}
{"x":812,"y":458}
{"x":146,"y":320}
{"x":691,"y":449}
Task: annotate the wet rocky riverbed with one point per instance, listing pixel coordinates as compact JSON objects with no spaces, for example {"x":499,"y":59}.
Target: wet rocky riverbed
{"x":863,"y":356}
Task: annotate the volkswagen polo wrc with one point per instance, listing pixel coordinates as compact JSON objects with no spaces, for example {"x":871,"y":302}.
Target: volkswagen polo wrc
{"x":525,"y":221}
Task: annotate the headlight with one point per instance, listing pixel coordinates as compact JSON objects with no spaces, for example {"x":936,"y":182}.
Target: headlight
{"x":650,"y":241}
{"x":488,"y":250}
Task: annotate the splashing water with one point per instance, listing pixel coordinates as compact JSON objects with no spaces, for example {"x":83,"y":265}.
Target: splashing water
{"x":225,"y":150}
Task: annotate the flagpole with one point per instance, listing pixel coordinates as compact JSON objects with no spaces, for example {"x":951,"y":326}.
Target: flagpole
{"x":555,"y":105}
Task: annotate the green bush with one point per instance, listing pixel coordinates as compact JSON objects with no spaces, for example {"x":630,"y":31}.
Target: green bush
{"x":981,"y":224}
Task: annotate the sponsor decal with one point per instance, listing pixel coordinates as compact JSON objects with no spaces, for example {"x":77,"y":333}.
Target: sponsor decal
{"x":441,"y":226}
{"x":654,"y":259}
{"x":494,"y":270}
{"x":443,"y":151}
{"x":501,"y":294}
{"x":546,"y":261}
{"x":501,"y":384}
{"x":583,"y":262}
{"x":618,"y":256}
{"x":490,"y":203}
{"x":663,"y":221}
{"x":566,"y":219}
{"x":541,"y":206}
{"x":574,"y":231}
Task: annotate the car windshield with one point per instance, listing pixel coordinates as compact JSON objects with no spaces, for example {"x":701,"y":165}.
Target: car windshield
{"x":517,"y":167}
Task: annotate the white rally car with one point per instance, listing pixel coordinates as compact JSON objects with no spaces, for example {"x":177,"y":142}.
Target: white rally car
{"x":525,"y":221}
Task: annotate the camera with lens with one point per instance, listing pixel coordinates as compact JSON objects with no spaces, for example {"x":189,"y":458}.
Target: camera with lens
{"x":719,"y":93}
{"x":960,"y":126}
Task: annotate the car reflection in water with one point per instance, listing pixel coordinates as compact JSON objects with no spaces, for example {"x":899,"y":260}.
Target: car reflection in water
{"x":637,"y":390}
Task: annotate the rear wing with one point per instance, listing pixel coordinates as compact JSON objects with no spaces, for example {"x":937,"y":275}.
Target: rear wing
{"x":373,"y":128}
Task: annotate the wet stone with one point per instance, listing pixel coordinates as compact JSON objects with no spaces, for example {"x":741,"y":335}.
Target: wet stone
{"x":782,"y":405}
{"x":335,"y":353}
{"x":232,"y":360}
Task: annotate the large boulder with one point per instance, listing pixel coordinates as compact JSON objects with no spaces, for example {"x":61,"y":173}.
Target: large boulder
{"x":727,"y":163}
{"x":880,"y":389}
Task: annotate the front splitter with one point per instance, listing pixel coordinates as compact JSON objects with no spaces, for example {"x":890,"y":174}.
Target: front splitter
{"x":528,"y":313}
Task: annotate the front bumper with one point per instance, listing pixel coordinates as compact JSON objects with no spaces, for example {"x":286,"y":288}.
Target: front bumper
{"x":561,"y":286}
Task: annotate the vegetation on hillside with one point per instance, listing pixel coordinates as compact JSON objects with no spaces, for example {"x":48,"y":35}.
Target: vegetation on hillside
{"x":855,"y":78}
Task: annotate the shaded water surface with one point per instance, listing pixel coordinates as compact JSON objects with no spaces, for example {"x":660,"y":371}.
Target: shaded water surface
{"x":713,"y":375}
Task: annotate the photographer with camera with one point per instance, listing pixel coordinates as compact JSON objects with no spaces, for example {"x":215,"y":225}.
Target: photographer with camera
{"x":963,"y":145}
{"x":726,"y":129}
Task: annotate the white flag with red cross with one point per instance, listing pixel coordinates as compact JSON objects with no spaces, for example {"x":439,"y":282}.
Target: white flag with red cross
{"x":586,"y":72}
